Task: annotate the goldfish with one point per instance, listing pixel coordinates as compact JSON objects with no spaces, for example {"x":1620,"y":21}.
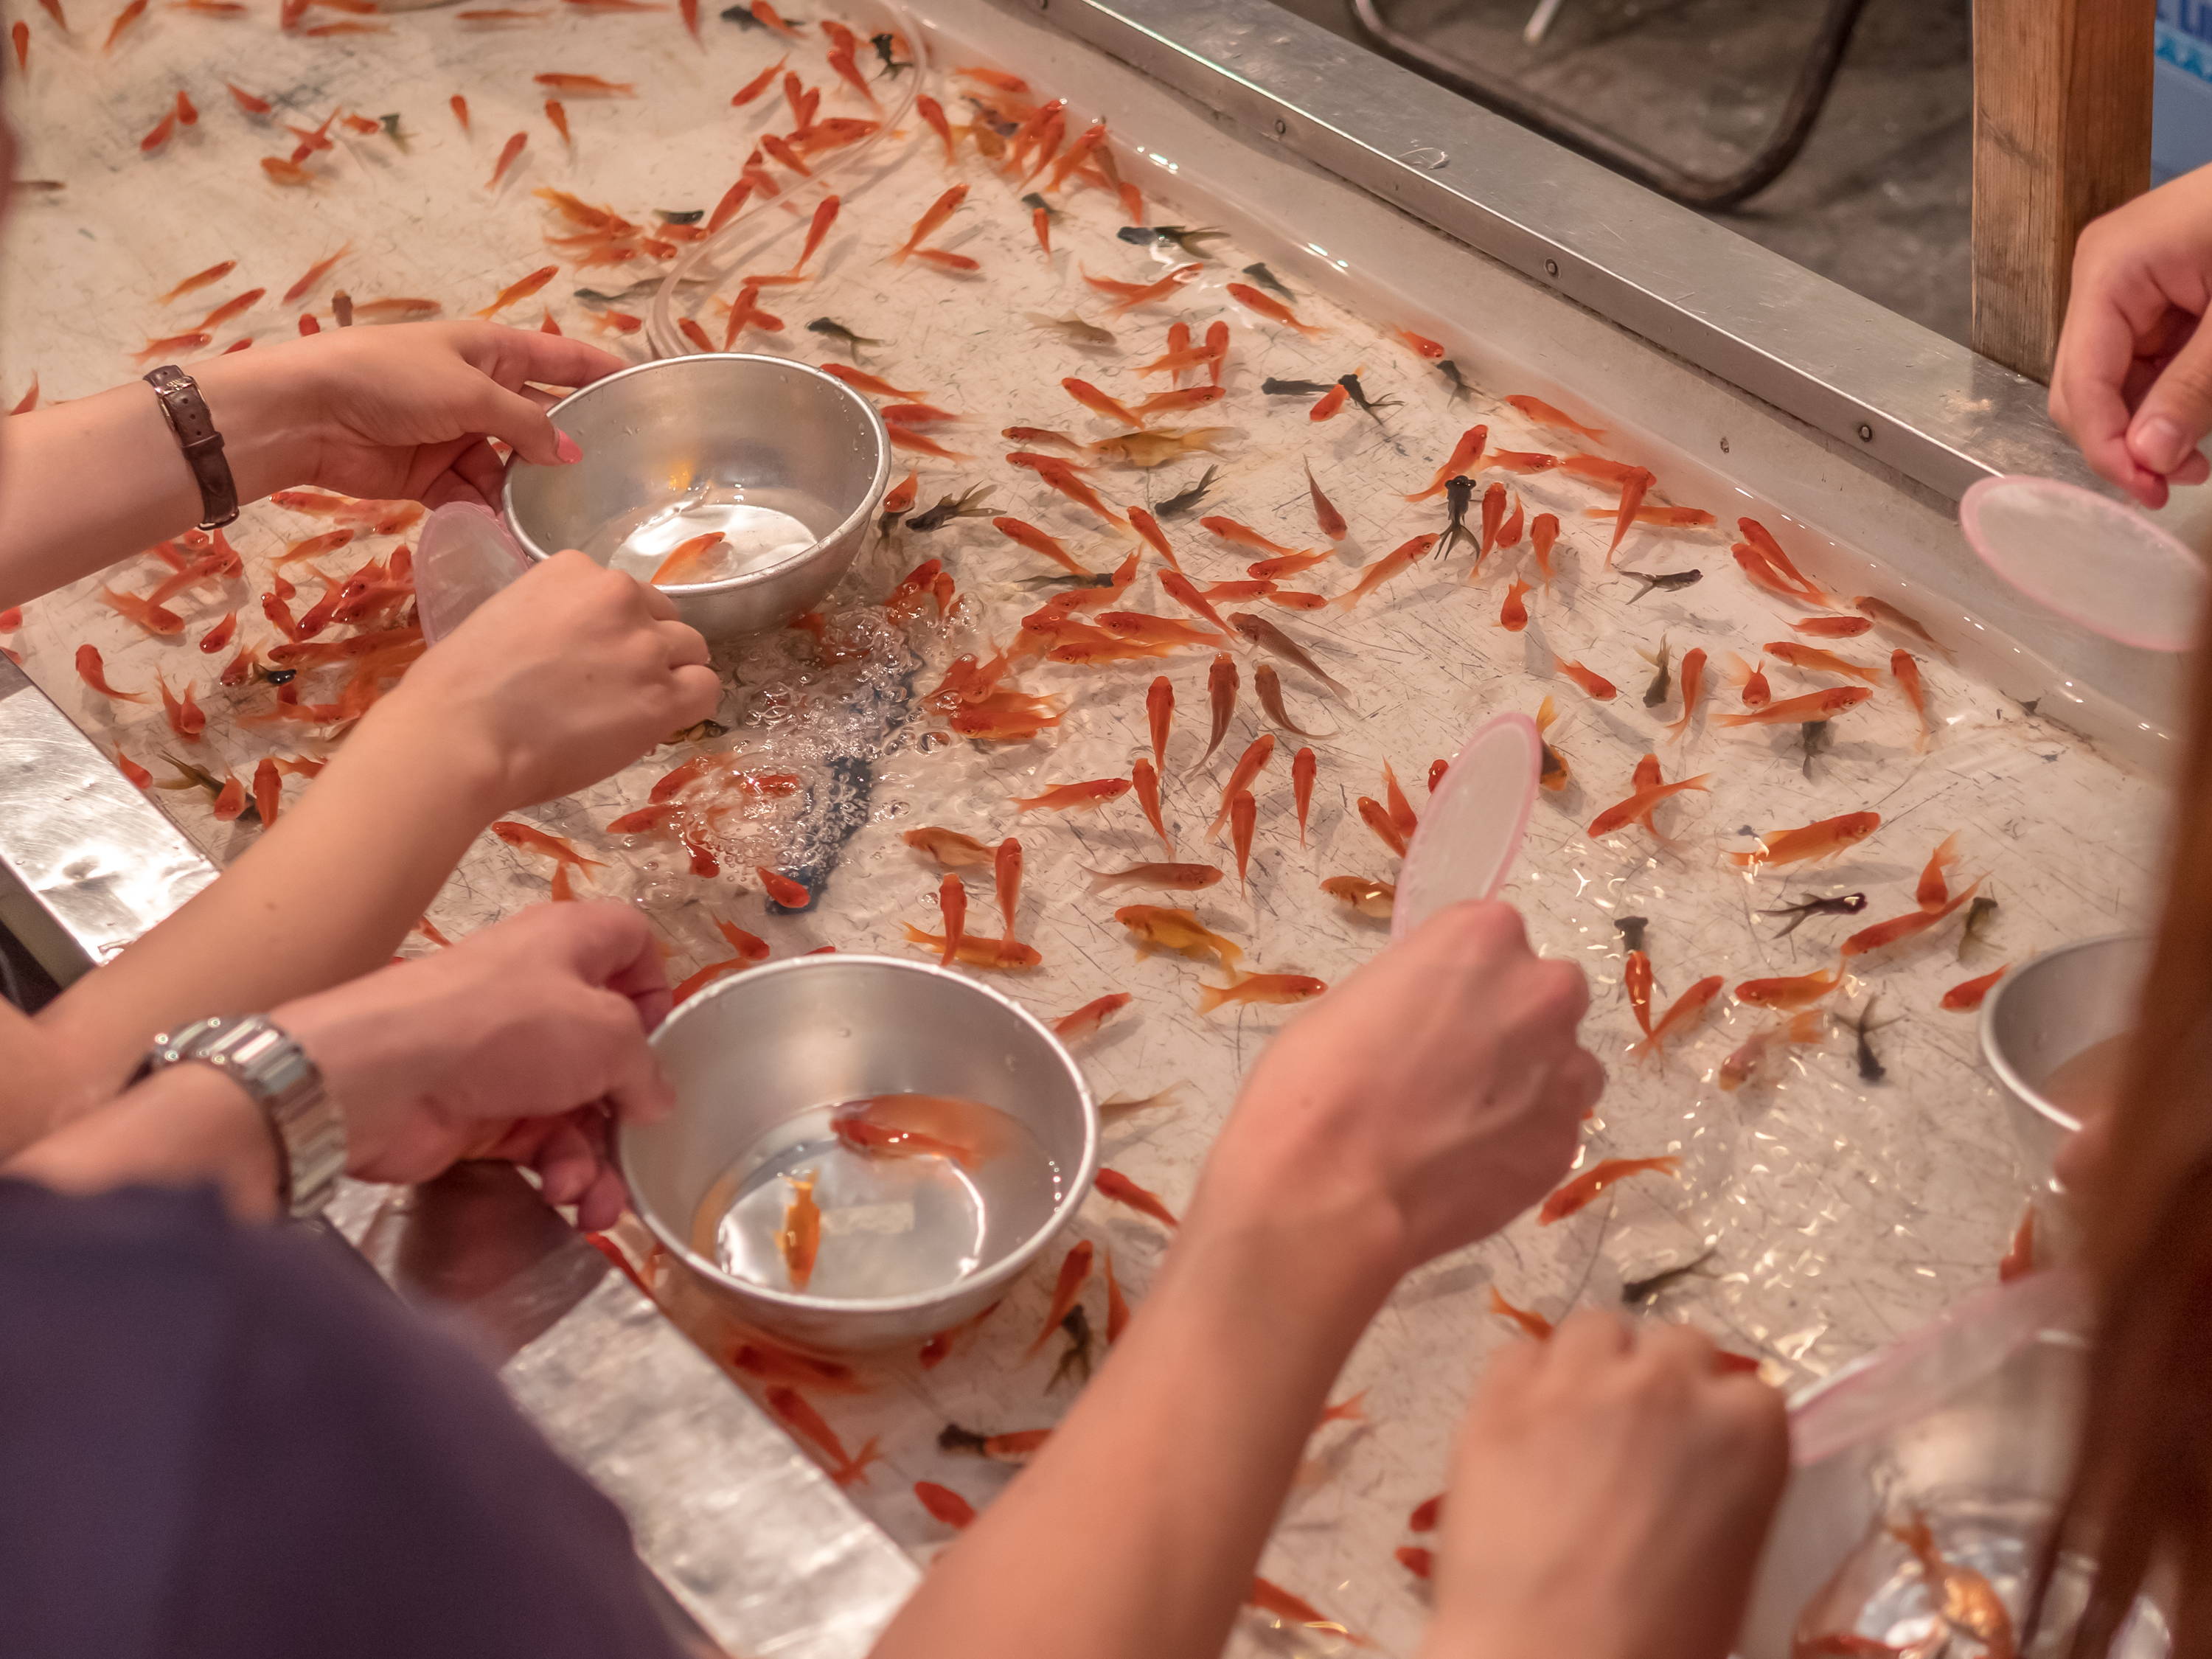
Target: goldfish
{"x":1934,"y":889}
{"x":1144,"y":777}
{"x":1692,"y":680}
{"x":508,"y":152}
{"x":688,"y":562}
{"x":1906,"y":672}
{"x":520,"y":291}
{"x":1329,"y":403}
{"x":124,"y":19}
{"x":190,"y":341}
{"x":1243,"y":535}
{"x":1164,"y":927}
{"x":1416,"y":1560}
{"x":1393,"y":563}
{"x":1274,"y":988}
{"x":1364,"y":894}
{"x":1129,"y":295}
{"x":800,"y":1238}
{"x":1532,"y":1325}
{"x":760,"y":83}
{"x":1823,"y":839}
{"x":1678,"y":1018}
{"x":1073,"y":797}
{"x":1099,"y":402}
{"x":944,"y":1505}
{"x":1746,"y":1063}
{"x":1403,"y":817}
{"x":962,"y":1131}
{"x":1146,"y":450}
{"x":1635,"y":981}
{"x":1006,"y":878}
{"x":931,"y":222}
{"x":1596,"y":685}
{"x":1465,"y":457}
{"x":1819,"y":661}
{"x":1908,"y":926}
{"x":394,"y":311}
{"x":2019,"y":1261}
{"x":1113,"y":1184}
{"x":1142,"y":627}
{"x":531,"y":839}
{"x":953,"y":903}
{"x":1513,"y":615}
{"x":1268,"y":685}
{"x":1304,"y":765}
{"x":792,"y":1409}
{"x":1377,"y":817}
{"x":1073,"y":329}
{"x":1540,"y":413}
{"x":197,"y":280}
{"x":1005,"y":955}
{"x":1086,"y":1021}
{"x":1024,"y":534}
{"x":1062,"y":475}
{"x":94,"y":673}
{"x":1244,"y":814}
{"x":1633,"y":487}
{"x":1274,"y":310}
{"x":1171,"y":403}
{"x":1074,"y":1274}
{"x":1799,"y":992}
{"x":156,"y":618}
{"x":1279,"y":1603}
{"x":1797,"y":711}
{"x":1249,"y":765}
{"x":1017,"y":1446}
{"x":284,"y":172}
{"x":1965,"y":998}
{"x":1594,"y":1180}
{"x":1552,"y":772}
{"x":1663,"y":517}
{"x":1967,"y":1598}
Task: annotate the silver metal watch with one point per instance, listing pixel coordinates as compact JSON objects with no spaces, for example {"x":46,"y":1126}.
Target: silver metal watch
{"x":303,"y":1121}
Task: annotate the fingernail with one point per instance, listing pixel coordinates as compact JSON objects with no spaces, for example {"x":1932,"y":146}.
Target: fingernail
{"x":566,"y":448}
{"x":2159,"y":444}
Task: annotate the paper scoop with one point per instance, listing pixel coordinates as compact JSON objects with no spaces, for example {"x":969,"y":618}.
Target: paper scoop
{"x":1472,"y":829}
{"x":465,"y":556}
{"x":2091,"y":559}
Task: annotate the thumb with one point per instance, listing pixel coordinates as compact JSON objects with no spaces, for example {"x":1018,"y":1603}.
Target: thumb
{"x":523,"y":427}
{"x":2176,"y":413}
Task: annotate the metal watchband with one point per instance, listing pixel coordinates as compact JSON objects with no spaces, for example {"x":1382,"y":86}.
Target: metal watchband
{"x":304,"y":1124}
{"x":186,"y":412}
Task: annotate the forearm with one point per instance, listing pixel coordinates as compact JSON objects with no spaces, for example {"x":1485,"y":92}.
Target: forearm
{"x":185,"y":1125}
{"x":324,"y":895}
{"x":1135,"y":1531}
{"x":99,"y":478}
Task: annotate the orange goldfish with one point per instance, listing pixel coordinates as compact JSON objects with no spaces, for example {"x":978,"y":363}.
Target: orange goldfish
{"x":1908,"y":926}
{"x":1965,"y":998}
{"x":1761,"y":540}
{"x":1798,"y":711}
{"x":1543,"y":414}
{"x":1466,"y":456}
{"x":933,"y":113}
{"x":1934,"y":889}
{"x":1159,"y":709}
{"x":1822,"y":839}
{"x":1426,"y":1514}
{"x":1906,"y":672}
{"x":1594,"y":1180}
{"x":1532,"y":1325}
{"x":1244,"y":814}
{"x":1113,"y":1184}
{"x":518,"y":291}
{"x":1260,"y":988}
{"x":1329,"y":403}
{"x":795,"y":1413}
{"x":1636,"y":980}
{"x":1799,"y":992}
{"x":1303,"y":766}
{"x":931,"y":221}
{"x":1745,"y":1065}
{"x":1004,"y":955}
{"x":1062,"y":475}
{"x":512,"y":148}
{"x":1368,"y":897}
{"x":1402,"y":558}
{"x":1596,"y":685}
{"x":1377,"y":817}
{"x":944,"y":1505}
{"x":1086,"y":1021}
{"x":1811,"y":657}
{"x":530,"y":839}
{"x":1513,"y":615}
{"x":1663,"y":517}
{"x":185,"y":717}
{"x":1967,"y":1600}
{"x":1073,"y":797}
{"x":1691,"y":678}
{"x":1638,"y":806}
{"x":1684,"y":1013}
{"x":148,"y":614}
{"x":1144,"y":777}
{"x":198,"y":280}
{"x":800,"y":1238}
{"x":1006,"y":878}
{"x":1175,"y":402}
{"x":1099,"y":402}
{"x":1074,"y":1274}
{"x":1141,"y":521}
{"x":1243,"y":535}
{"x":1027,"y":535}
{"x":1163,"y":928}
{"x":94,"y":673}
{"x":952,"y":902}
{"x":1274,"y":310}
{"x":1249,"y":765}
{"x":782,"y":890}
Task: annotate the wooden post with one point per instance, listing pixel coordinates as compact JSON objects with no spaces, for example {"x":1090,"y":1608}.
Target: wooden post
{"x":2062,"y":133}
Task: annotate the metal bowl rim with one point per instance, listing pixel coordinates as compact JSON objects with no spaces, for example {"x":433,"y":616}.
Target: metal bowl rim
{"x":1007,"y":1267}
{"x":846,"y":526}
{"x":1993,"y":1052}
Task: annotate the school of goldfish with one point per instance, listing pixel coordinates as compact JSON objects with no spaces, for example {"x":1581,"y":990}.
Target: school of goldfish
{"x":1135,"y":552}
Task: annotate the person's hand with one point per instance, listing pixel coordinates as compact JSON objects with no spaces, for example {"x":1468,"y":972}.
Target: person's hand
{"x":517,"y":1042}
{"x":405,"y":411}
{"x":1608,"y":1497}
{"x":557,"y":680}
{"x":1433,"y":1094}
{"x":2132,"y":383}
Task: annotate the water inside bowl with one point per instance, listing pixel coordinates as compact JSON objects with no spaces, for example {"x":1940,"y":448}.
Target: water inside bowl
{"x":761,"y":527}
{"x":890,"y":1226}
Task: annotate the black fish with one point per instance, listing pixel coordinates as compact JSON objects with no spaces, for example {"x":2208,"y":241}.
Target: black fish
{"x":1036,"y":203}
{"x":1642,"y":1290}
{"x":1632,"y":930}
{"x":1175,"y":506}
{"x":1076,"y":1362}
{"x":699,"y":733}
{"x":1977,"y":917}
{"x":1182,"y":236}
{"x":1669,"y":583}
{"x":1816,"y":737}
{"x":1450,"y":370}
{"x":1459,"y":495}
{"x":1267,"y":278}
{"x":830,"y":329}
{"x":389,"y":123}
{"x":991,"y":119}
{"x":1655,"y":693}
{"x":1871,"y":1069}
{"x":883,"y":43}
{"x":837,"y":808}
{"x":1370,"y":406}
{"x":1844,"y":904}
{"x":1275,"y":388}
{"x":191,"y":777}
{"x":688,"y":216}
{"x":965,"y":506}
{"x":954,"y":1438}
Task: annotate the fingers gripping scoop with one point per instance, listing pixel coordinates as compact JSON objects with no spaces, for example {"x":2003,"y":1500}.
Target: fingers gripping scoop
{"x":2089,"y":558}
{"x":1472,"y":828}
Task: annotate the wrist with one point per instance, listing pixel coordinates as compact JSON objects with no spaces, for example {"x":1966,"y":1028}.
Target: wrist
{"x":371,"y":1056}
{"x":416,"y":734}
{"x":265,"y":403}
{"x":1327,"y":1267}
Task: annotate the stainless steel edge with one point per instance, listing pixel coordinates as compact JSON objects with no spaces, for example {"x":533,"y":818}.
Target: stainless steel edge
{"x":1874,"y":381}
{"x":746,"y":1535}
{"x":87,"y":863}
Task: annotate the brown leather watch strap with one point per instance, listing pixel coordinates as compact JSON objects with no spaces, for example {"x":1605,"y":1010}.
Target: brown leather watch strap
{"x":188,"y":417}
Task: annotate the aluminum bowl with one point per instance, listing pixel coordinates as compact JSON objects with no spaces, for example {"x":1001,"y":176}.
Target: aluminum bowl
{"x":2045,"y":1012}
{"x":761,"y":1049}
{"x":778,"y":433}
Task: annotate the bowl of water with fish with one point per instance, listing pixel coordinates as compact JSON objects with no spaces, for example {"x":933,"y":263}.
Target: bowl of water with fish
{"x":741,"y":485}
{"x":864,"y":1151}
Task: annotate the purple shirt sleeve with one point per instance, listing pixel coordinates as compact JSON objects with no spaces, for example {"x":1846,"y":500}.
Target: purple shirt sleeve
{"x":220,"y":1442}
